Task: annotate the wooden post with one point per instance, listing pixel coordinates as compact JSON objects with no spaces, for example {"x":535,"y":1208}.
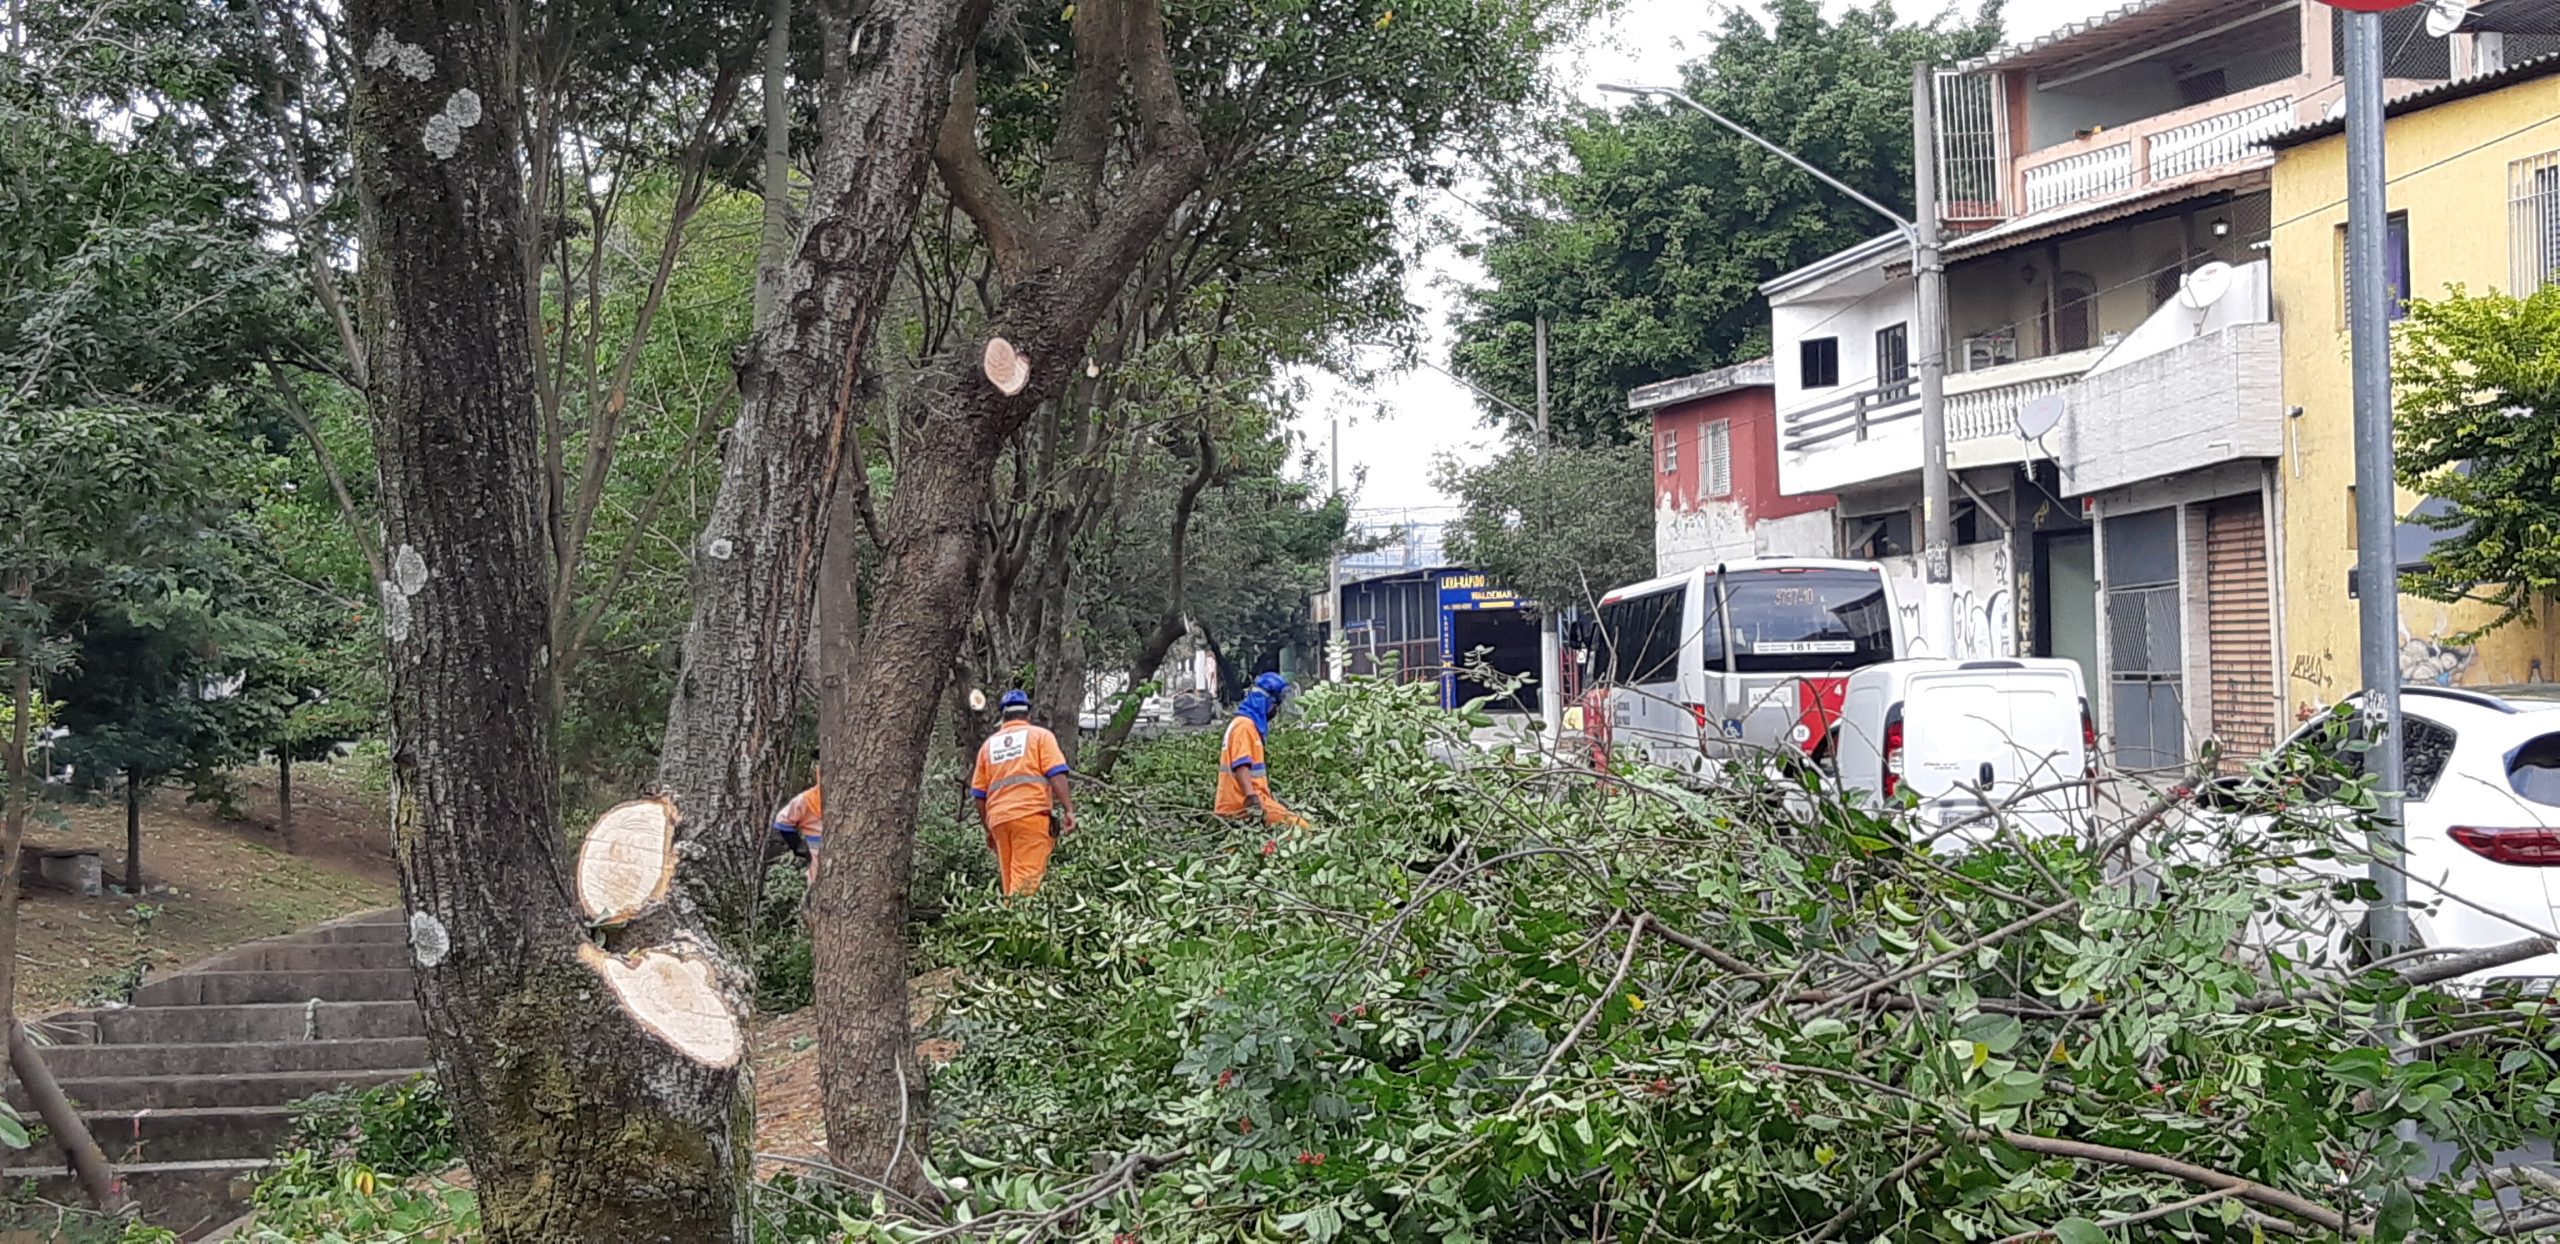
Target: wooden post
{"x":284,"y":795}
{"x":132,"y":832}
{"x":87,"y":1160}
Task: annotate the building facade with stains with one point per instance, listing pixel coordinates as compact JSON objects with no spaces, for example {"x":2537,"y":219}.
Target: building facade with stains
{"x":2474,"y":196}
{"x":1715,"y":473}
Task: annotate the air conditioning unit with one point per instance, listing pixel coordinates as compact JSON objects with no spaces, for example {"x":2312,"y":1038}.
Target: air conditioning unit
{"x":1990,"y":351}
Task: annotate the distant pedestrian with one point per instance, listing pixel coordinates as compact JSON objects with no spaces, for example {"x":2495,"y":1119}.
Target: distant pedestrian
{"x":802,"y":823}
{"x":1020,"y":784}
{"x":1244,"y":769}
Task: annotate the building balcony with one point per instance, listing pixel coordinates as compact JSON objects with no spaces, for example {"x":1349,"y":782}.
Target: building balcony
{"x":2173,"y":147}
{"x":1873,"y":436}
{"x":2214,"y":398}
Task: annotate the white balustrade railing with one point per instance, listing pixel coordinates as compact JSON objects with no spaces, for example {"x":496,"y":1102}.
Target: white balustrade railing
{"x":2216,"y":140}
{"x":2087,"y":175}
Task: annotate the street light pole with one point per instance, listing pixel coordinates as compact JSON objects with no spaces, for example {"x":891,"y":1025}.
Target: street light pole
{"x":1929,"y":320}
{"x":2377,"y":520}
{"x":1929,"y":330}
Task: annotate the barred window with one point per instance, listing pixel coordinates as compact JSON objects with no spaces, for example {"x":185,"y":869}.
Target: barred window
{"x":2533,"y":223}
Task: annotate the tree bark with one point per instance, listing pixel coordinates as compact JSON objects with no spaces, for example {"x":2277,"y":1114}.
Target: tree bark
{"x":284,"y":796}
{"x":727,"y":754}
{"x":580,"y":1125}
{"x":132,"y":832}
{"x":955,"y":422}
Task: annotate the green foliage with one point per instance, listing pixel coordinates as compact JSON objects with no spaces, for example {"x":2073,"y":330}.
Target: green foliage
{"x":785,"y":971}
{"x":1561,"y":526}
{"x":394,"y":1130}
{"x":1427,"y":1018}
{"x":1645,"y":237}
{"x":2477,"y":419}
{"x":309,"y":1198}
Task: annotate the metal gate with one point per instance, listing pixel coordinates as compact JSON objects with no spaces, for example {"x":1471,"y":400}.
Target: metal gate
{"x":2146,"y":650}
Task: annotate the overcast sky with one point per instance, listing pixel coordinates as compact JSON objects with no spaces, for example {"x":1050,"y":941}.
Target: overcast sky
{"x":1393,"y":428}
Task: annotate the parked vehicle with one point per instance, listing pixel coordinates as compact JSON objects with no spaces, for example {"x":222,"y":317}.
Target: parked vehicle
{"x":1745,"y":657}
{"x":1981,"y":745}
{"x":2481,"y":817}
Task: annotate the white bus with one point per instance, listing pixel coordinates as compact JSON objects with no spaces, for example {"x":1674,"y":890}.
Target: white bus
{"x":1748,"y":656}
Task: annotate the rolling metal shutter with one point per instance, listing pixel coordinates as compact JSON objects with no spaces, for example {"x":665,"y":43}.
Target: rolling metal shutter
{"x":2241,"y":643}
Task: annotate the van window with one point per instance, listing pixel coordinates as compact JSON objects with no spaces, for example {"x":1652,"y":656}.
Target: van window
{"x":1639,"y":639}
{"x":1806,"y":621}
{"x":2533,"y":771}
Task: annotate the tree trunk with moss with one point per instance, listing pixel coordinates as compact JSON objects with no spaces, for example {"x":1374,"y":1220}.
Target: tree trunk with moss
{"x":580,"y":1125}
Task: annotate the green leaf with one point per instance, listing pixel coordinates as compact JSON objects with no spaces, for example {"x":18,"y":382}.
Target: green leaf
{"x":1824,"y":1028}
{"x":2399,"y":1216}
{"x":2078,"y":1230}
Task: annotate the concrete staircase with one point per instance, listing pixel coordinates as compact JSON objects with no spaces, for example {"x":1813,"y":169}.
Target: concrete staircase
{"x":189,"y":1089}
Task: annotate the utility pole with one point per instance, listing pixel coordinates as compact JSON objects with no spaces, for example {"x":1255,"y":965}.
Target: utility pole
{"x":1929,"y":344}
{"x":1337,"y":648}
{"x":1550,"y":630}
{"x":2377,"y":500}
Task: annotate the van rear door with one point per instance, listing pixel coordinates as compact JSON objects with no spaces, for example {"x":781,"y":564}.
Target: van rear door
{"x":1981,"y":735}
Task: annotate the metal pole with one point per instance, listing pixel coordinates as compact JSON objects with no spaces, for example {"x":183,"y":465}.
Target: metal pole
{"x":1929,"y":333}
{"x":1550,"y":632}
{"x":2377,"y":501}
{"x":1337,"y":648}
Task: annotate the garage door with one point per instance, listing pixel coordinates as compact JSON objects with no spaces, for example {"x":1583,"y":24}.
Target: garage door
{"x":2242,"y":640}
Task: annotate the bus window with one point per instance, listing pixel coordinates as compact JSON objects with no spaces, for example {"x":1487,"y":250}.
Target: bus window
{"x":1808,"y":621}
{"x":1639,"y":639}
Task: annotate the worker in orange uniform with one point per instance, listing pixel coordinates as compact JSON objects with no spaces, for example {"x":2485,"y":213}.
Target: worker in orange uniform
{"x":802,"y":823}
{"x":1244,"y":772}
{"x":1019,"y":776}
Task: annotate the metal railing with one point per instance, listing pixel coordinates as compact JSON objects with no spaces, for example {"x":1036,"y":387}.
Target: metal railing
{"x":1852,"y":416}
{"x":1980,"y":404}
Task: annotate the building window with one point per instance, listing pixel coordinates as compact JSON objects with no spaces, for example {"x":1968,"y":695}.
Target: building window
{"x":2533,"y":223}
{"x":1671,"y":451}
{"x":1818,"y":362}
{"x":2074,"y":323}
{"x":1715,"y":458}
{"x":1874,"y":537}
{"x":2395,"y":272}
{"x":1893,"y":361}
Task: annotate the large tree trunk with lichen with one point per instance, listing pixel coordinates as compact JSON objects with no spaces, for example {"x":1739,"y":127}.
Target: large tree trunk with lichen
{"x":727,"y":755}
{"x":581,"y":1125}
{"x":1062,"y":267}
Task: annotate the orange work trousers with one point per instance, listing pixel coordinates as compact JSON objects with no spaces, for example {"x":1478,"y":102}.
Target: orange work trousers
{"x":1022,"y":852}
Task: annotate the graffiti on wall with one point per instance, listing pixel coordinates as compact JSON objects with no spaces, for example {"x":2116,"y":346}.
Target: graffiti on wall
{"x":1986,"y":606}
{"x":2425,"y":659}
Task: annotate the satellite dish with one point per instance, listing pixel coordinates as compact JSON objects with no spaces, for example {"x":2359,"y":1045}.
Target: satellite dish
{"x":2336,"y":109}
{"x":2205,"y":286}
{"x":2446,"y":16}
{"x":2040,"y":416}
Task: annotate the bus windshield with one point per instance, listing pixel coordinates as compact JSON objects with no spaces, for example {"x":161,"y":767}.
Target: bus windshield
{"x":1800,"y":621}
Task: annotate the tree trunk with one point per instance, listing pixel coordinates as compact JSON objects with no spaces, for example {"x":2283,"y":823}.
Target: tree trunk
{"x":132,"y":832}
{"x":580,"y":1125}
{"x":727,"y":755}
{"x":774,"y":249}
{"x":21,"y":793}
{"x":284,"y":797}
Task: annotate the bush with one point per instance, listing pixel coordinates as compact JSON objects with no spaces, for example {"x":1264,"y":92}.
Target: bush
{"x":393,"y":1130}
{"x":785,"y":972}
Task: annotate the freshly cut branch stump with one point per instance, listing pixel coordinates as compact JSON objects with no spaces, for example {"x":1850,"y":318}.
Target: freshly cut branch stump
{"x":628,"y":861}
{"x":674,"y":994}
{"x":1007,"y":369}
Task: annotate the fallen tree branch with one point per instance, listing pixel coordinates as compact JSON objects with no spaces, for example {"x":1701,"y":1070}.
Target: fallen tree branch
{"x":1840,"y":1221}
{"x":1626,"y":963}
{"x":2133,"y":1159}
{"x":2442,"y":970}
{"x":2127,"y":1220}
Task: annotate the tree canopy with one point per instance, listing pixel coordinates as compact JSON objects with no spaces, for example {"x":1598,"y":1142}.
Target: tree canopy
{"x":1644,"y":234}
{"x":2478,"y":425}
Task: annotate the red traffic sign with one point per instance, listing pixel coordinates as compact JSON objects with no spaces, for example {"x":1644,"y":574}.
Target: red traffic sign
{"x":2369,"y":6}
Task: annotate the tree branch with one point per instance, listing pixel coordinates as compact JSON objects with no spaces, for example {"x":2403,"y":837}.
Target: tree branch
{"x":973,"y":183}
{"x":365,"y":543}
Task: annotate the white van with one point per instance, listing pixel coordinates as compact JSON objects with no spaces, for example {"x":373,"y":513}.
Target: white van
{"x":1977,"y":742}
{"x":1747,"y":657}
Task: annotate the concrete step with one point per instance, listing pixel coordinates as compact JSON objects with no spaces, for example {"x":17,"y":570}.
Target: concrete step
{"x":268,"y":1088}
{"x":341,"y":934}
{"x":236,"y":988}
{"x":195,"y":1134}
{"x":186,"y":1197}
{"x":97,"y":1062}
{"x":259,"y":1021}
{"x":291,"y":956}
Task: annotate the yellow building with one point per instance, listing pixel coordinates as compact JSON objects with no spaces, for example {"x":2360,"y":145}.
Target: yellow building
{"x":2474,"y":169}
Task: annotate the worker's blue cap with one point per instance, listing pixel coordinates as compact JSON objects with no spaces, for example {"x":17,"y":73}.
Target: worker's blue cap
{"x":1016,"y":698}
{"x":1272,"y":683}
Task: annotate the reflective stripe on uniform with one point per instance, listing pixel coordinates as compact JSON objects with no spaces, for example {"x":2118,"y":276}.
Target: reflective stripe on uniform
{"x":1016,"y":780}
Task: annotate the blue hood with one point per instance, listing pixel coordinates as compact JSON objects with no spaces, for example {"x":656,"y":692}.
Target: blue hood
{"x":1258,"y":706}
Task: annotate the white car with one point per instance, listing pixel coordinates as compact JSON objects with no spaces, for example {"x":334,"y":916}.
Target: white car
{"x":2482,"y":818}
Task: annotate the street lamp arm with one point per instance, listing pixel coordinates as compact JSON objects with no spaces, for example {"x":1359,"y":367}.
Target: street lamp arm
{"x":1900,"y":222}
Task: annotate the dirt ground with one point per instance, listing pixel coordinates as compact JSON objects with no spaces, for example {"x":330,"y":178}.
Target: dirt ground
{"x":789,"y":1120}
{"x":214,"y":883}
